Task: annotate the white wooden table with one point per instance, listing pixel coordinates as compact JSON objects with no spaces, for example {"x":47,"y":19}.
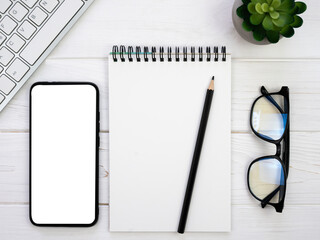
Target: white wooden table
{"x":82,"y":56}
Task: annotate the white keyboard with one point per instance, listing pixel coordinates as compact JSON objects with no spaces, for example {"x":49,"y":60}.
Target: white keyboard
{"x":29,"y":30}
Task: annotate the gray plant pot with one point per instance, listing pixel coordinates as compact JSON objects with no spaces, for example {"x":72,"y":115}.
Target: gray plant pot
{"x":237,"y":22}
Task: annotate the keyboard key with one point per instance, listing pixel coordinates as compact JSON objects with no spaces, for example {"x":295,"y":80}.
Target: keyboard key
{"x":5,"y":4}
{"x":6,"y":85}
{"x":26,"y":29}
{"x":49,"y":5}
{"x":18,"y":11}
{"x":5,"y":56}
{"x":17,"y":70}
{"x":7,"y":25}
{"x":29,"y":3}
{"x":15,"y":43}
{"x":1,"y":98}
{"x":38,"y":16}
{"x":50,"y":30}
{"x":2,"y":38}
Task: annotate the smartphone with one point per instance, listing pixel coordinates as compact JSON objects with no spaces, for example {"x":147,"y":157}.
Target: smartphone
{"x":64,"y":158}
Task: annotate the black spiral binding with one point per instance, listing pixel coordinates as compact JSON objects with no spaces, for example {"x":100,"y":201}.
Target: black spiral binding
{"x":208,"y":50}
{"x":120,"y":53}
{"x":193,"y":54}
{"x":177,"y":54}
{"x":224,"y":53}
{"x":145,"y":54}
{"x":114,"y":52}
{"x":200,"y":53}
{"x":185,"y":54}
{"x":130,"y":50}
{"x":216,"y":54}
{"x":138,"y":51}
{"x":161,"y":54}
{"x":153,"y":54}
{"x":169,"y":54}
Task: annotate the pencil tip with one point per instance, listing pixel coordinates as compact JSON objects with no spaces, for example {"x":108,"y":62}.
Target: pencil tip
{"x":211,"y":86}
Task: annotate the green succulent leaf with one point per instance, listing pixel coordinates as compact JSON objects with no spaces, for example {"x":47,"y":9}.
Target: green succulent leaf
{"x":258,"y":8}
{"x":298,"y":21}
{"x":258,"y":36}
{"x":269,"y":2}
{"x":270,"y":18}
{"x":286,"y":5}
{"x":242,"y":12}
{"x":274,"y":15}
{"x":246,"y":1}
{"x":252,"y":8}
{"x":267,"y":23}
{"x":259,"y":33}
{"x":273,"y":36}
{"x":302,"y":7}
{"x":284,"y":19}
{"x":275,"y":3}
{"x":258,"y":1}
{"x":294,"y":10}
{"x":265,"y":7}
{"x":247,"y":26}
{"x":256,"y":18}
{"x":287,"y":31}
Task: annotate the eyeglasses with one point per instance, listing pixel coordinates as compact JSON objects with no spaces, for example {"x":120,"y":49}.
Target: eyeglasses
{"x":269,"y":120}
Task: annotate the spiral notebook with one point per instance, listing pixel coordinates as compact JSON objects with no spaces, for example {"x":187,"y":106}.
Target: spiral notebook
{"x":156,"y":97}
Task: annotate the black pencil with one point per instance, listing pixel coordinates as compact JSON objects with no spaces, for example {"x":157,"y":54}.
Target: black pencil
{"x":196,"y":158}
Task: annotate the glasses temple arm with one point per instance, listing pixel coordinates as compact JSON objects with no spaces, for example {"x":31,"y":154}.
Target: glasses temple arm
{"x":270,"y":98}
{"x":284,"y":111}
{"x":267,"y":199}
{"x":281,"y":188}
{"x":287,"y":139}
{"x":286,"y":120}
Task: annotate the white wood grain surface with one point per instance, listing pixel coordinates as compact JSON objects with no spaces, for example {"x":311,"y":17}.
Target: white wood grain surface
{"x":81,"y":56}
{"x":249,"y":222}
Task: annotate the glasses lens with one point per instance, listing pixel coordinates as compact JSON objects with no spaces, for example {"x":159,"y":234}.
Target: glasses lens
{"x":266,"y":179}
{"x":269,"y":117}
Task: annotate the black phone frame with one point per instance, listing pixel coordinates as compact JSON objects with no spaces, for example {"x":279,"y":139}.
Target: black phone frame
{"x":97,"y":155}
{"x":285,"y":138}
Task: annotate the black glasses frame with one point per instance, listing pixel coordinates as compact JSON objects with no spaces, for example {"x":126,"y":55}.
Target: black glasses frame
{"x":285,"y":138}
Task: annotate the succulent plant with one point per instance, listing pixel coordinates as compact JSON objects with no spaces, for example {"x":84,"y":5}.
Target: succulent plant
{"x":271,"y":18}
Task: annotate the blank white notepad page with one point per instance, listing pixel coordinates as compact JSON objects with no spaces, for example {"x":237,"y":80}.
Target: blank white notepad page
{"x":155,"y":111}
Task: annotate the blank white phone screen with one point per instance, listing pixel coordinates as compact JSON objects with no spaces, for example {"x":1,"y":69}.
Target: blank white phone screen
{"x":63,"y":154}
